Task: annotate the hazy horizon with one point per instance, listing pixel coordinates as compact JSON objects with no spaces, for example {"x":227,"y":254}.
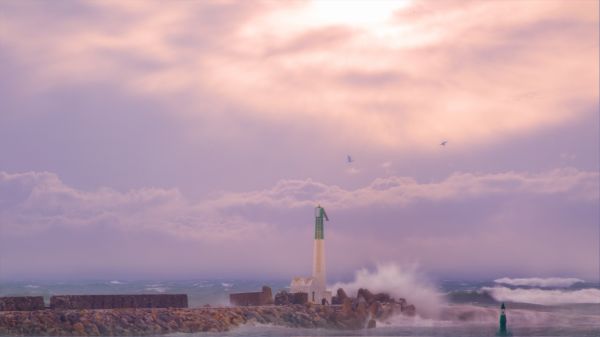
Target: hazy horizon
{"x":140,"y":140}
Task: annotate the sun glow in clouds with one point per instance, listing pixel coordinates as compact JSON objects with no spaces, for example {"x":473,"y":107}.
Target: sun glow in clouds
{"x":356,"y":13}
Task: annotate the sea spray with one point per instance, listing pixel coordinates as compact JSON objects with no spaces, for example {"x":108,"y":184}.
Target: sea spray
{"x":399,"y":282}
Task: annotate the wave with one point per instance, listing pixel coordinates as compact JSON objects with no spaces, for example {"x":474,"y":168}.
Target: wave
{"x":227,"y":285}
{"x":400,"y":282}
{"x":544,"y":296}
{"x":31,"y":286}
{"x":549,"y":282}
{"x":115,"y":282}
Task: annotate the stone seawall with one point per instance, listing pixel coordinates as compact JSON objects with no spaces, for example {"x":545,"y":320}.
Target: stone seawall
{"x":22,"y":303}
{"x":139,"y":322}
{"x":264,"y":297}
{"x":118,"y":301}
{"x":354,"y":313}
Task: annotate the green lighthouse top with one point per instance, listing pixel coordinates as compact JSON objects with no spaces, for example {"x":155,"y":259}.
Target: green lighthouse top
{"x":319,"y":215}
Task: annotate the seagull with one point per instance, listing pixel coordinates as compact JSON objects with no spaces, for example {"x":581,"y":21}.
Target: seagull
{"x":444,"y":143}
{"x":350,"y":160}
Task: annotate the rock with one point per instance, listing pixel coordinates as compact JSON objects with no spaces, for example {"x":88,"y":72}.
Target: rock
{"x":382,"y":298}
{"x":375,"y":309}
{"x":371,"y":324}
{"x":410,"y":310}
{"x":282,"y":298}
{"x":341,"y":295}
{"x":347,"y":307}
{"x":79,"y":329}
{"x":361,"y":309}
{"x":366,"y":295}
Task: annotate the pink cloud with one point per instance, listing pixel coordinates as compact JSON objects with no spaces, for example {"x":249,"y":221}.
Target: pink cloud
{"x":454,"y":70}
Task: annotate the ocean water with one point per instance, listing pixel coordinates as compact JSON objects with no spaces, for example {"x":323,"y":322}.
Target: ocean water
{"x":465,"y":308}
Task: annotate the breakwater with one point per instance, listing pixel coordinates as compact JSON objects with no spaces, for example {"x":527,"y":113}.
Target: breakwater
{"x":30,"y":303}
{"x":354,"y":313}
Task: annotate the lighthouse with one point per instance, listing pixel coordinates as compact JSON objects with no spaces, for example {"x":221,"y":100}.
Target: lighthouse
{"x":316,"y":286}
{"x":319,"y":247}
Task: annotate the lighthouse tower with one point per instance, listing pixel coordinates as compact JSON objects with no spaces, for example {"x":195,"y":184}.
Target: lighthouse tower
{"x":315,"y":286}
{"x":319,"y":275}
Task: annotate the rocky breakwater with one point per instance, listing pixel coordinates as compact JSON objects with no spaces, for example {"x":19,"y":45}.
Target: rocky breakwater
{"x":355,"y":313}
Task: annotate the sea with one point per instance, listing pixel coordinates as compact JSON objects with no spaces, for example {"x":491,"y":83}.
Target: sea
{"x":534,"y":307}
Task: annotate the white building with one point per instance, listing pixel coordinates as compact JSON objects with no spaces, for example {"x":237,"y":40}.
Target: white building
{"x":315,"y":286}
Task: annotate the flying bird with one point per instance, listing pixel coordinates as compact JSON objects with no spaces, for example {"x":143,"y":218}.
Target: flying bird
{"x":350,"y":160}
{"x":444,"y":143}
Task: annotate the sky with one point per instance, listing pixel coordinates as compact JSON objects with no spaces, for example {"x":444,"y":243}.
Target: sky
{"x":194,"y":138}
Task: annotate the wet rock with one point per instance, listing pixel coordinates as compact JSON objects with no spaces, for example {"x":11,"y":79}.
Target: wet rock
{"x":410,"y":310}
{"x":383,"y":298}
{"x":366,"y":295}
{"x":347,"y":307}
{"x":371,"y":324}
{"x":375,"y":309}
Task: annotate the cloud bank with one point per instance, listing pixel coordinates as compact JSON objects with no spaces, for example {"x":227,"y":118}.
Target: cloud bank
{"x":410,"y":221}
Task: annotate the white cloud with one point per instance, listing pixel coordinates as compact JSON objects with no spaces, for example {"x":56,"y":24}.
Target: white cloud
{"x":34,"y":201}
{"x":390,"y":219}
{"x":400,"y":191}
{"x":39,"y":200}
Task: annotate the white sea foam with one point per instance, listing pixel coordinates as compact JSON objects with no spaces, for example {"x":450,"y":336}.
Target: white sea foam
{"x":544,"y":296}
{"x":202,"y":285}
{"x":156,"y":289}
{"x":227,"y":285}
{"x":115,"y":282}
{"x":31,"y":286}
{"x":405,"y":282}
{"x":559,"y":282}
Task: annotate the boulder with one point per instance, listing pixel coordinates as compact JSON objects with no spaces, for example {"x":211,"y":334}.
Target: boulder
{"x":341,"y":295}
{"x":383,"y":298}
{"x":347,"y":307}
{"x":375,"y":309}
{"x":282,"y":298}
{"x":366,"y":295}
{"x":409,"y":310}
